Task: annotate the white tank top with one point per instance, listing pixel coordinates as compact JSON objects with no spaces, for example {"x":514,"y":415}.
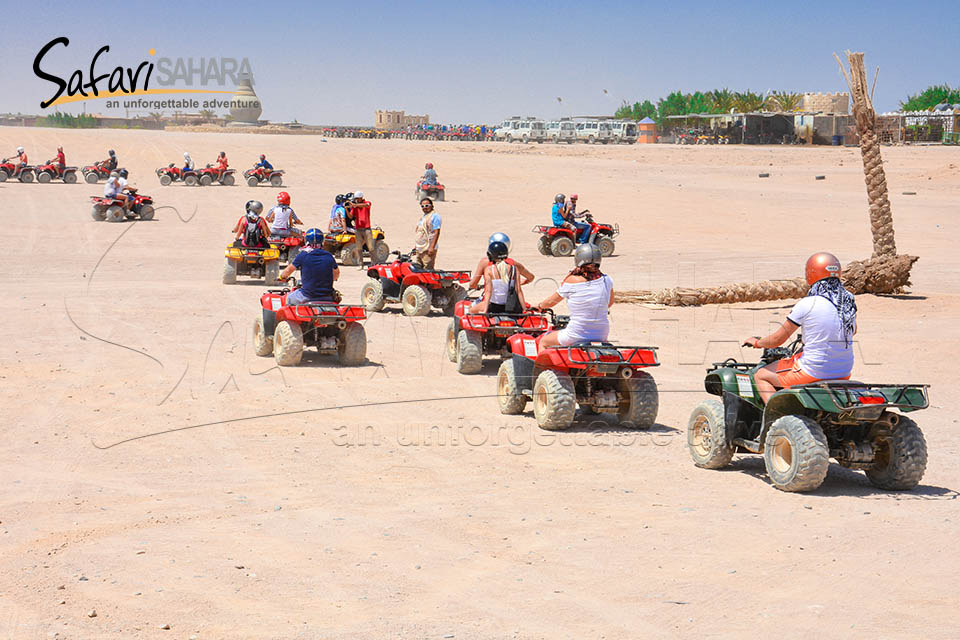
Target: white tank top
{"x":281,"y":217}
{"x":501,"y":288}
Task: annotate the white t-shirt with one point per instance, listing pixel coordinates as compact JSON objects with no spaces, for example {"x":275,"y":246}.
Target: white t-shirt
{"x":112,"y":187}
{"x":588,"y":303}
{"x":825,"y":351}
{"x":281,"y":217}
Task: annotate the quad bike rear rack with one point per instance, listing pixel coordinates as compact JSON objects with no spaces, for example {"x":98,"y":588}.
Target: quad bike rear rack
{"x":514,"y":322}
{"x":330,"y":312}
{"x":846,"y":396}
{"x":603,"y":353}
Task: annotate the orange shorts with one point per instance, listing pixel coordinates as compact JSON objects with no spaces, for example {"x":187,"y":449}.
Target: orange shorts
{"x":789,"y":373}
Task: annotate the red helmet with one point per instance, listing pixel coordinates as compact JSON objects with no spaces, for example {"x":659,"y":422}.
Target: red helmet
{"x":822,"y":265}
{"x":283,"y":198}
{"x":429,"y":165}
{"x":263,"y":157}
{"x":573,"y":196}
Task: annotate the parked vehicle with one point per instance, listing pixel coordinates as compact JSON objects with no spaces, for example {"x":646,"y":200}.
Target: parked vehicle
{"x":561,"y":131}
{"x":593,"y":131}
{"x":624,"y":131}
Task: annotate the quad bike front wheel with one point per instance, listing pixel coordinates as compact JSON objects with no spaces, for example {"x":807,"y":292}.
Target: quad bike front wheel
{"x":146,"y":212}
{"x":371,"y":295}
{"x":796,"y":454}
{"x":206,"y":180}
{"x":252,"y":181}
{"x":561,"y":246}
{"x":115,"y":213}
{"x":98,"y":213}
{"x":509,"y":394}
{"x":543,"y":245}
{"x":707,"y":436}
{"x":640,"y":401}
{"x":900,"y":454}
{"x":469,"y":352}
{"x":451,"y":341}
{"x":606,"y":246}
{"x":262,"y":343}
{"x":230,"y":272}
{"x":554,"y":400}
{"x":3,"y":175}
{"x":454,"y":293}
{"x":352,"y":345}
{"x":91,"y":177}
{"x":165,"y":180}
{"x":416,"y":300}
{"x":288,"y":344}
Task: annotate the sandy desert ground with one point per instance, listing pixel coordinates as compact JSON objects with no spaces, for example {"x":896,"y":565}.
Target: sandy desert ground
{"x":421,"y":512}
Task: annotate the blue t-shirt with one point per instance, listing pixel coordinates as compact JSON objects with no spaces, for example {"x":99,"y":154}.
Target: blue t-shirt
{"x":266,"y":165}
{"x":316,"y":273}
{"x":337,"y":210}
{"x":557,"y":213}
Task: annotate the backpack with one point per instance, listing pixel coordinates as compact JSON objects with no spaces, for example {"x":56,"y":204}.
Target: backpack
{"x":252,"y":234}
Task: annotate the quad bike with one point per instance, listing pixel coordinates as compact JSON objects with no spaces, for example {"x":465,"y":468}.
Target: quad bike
{"x":256,"y":175}
{"x":471,"y":336}
{"x":344,"y":244}
{"x":288,"y":246}
{"x":93,"y":172}
{"x":561,"y":241}
{"x":433,"y":191}
{"x":48,"y":172}
{"x":14,"y":170}
{"x":172,"y":173}
{"x":598,"y":376}
{"x":802,"y":427}
{"x":416,"y":288}
{"x":331,"y":327}
{"x":210,"y":174}
{"x":111,"y":209}
{"x":256,"y":262}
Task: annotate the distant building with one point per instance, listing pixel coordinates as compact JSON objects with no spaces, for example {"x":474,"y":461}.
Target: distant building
{"x":398,"y":120}
{"x":838,"y":103}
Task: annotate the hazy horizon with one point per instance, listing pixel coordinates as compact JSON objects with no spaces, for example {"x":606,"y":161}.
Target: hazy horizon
{"x":331,"y":64}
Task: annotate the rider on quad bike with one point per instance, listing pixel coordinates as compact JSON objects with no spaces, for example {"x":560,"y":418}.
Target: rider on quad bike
{"x":60,"y":161}
{"x":111,"y":161}
{"x":281,"y":217}
{"x":427,"y":235}
{"x":338,"y":215}
{"x":589,"y":295}
{"x":318,"y":272}
{"x":562,"y":216}
{"x":263,"y":164}
{"x":115,"y":186}
{"x":429,"y":175}
{"x":251,"y":229}
{"x":478,"y":274}
{"x":187,"y":162}
{"x":502,"y":292}
{"x":222,"y":164}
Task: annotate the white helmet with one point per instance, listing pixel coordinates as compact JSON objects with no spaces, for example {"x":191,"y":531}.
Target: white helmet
{"x":358,"y":195}
{"x":186,"y":155}
{"x":500,"y":237}
{"x":19,"y":149}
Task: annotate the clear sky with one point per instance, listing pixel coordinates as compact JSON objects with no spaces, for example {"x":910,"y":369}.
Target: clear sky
{"x":336,"y":63}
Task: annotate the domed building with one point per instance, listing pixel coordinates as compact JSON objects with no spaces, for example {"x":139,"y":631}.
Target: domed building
{"x":245,"y":106}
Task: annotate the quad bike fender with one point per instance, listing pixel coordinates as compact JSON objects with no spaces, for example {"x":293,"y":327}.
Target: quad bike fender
{"x":427,"y":280}
{"x":783,"y":403}
{"x":269,"y":321}
{"x":742,"y":418}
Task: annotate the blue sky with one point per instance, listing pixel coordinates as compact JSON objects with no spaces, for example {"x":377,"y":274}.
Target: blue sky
{"x":337,"y":62}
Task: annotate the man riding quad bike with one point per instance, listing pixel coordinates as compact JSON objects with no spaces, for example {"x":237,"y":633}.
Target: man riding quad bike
{"x":112,"y":209}
{"x":16,"y":167}
{"x":56,"y":168}
{"x":92,"y":173}
{"x":428,"y":186}
{"x":416,"y":288}
{"x":263,"y":171}
{"x":218,"y":172}
{"x":562,"y":237}
{"x":798,"y":407}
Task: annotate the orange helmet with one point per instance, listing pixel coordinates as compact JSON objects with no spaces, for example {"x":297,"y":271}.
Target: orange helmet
{"x":284,"y":198}
{"x":822,"y":265}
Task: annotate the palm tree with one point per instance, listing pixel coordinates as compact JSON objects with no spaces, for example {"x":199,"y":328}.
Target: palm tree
{"x":784,"y":101}
{"x":747,"y":101}
{"x":722,"y":100}
{"x":207,"y":115}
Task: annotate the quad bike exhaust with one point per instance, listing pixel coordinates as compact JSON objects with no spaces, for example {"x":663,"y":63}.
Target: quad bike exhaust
{"x":625,"y":372}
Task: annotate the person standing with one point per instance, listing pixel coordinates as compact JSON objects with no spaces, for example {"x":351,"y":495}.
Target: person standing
{"x":427,"y":235}
{"x":360,"y":209}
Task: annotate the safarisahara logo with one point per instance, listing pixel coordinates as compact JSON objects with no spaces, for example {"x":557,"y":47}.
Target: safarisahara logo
{"x":129,"y":81}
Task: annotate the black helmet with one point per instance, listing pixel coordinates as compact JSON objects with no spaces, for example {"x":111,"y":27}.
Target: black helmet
{"x":123,"y":173}
{"x":254,"y":206}
{"x":348,"y":196}
{"x":112,"y":152}
{"x":223,"y":153}
{"x":339,"y":198}
{"x":497,"y":251}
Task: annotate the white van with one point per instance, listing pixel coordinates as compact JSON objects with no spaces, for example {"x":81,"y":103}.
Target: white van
{"x":527,"y":130}
{"x":593,"y":131}
{"x":624,"y":131}
{"x":562,"y":131}
{"x":506,"y":128}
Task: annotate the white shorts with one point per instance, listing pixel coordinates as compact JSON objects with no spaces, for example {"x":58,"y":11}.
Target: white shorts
{"x":573,"y":335}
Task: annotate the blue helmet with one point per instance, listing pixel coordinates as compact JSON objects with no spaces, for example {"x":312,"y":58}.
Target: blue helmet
{"x":314,"y":237}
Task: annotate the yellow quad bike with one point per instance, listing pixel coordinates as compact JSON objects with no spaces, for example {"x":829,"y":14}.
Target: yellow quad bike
{"x":256,"y":262}
{"x":344,"y":245}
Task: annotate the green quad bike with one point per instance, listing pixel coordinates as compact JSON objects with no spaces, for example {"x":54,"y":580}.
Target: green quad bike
{"x":803,"y":426}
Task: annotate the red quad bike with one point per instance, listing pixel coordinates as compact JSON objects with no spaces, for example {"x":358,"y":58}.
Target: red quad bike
{"x":111,"y":210}
{"x":49,"y":171}
{"x":210,"y":174}
{"x":169,"y":174}
{"x":256,"y":175}
{"x":474,"y":335}
{"x":435,"y":192}
{"x":561,"y":241}
{"x":416,"y":288}
{"x":14,"y":170}
{"x":598,"y":376}
{"x":93,"y":172}
{"x":288,"y":247}
{"x":330,"y":327}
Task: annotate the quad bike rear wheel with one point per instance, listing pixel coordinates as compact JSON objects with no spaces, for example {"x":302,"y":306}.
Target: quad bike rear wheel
{"x":796,"y":454}
{"x":543,"y":245}
{"x":276,"y":181}
{"x":707,"y":436}
{"x":469,"y":352}
{"x":262,"y":343}
{"x":271,"y":273}
{"x":98,"y":213}
{"x":639,"y":402}
{"x":554,"y":400}
{"x":26,"y":176}
{"x":191,"y":181}
{"x":165,"y":180}
{"x":350,"y":255}
{"x":70,"y":177}
{"x":606,"y":246}
{"x":439,"y":196}
{"x":371,"y":295}
{"x":115,"y":213}
{"x":900,"y":454}
{"x":228,"y":180}
{"x":146,"y":212}
{"x":288,"y":343}
{"x":455,"y":293}
{"x":352,"y":345}
{"x":509,"y":395}
{"x":43,"y":177}
{"x":252,"y":181}
{"x":381,"y":252}
{"x":561,"y":246}
{"x":91,"y":177}
{"x":416,"y":300}
{"x":230,"y":272}
{"x":451,"y":341}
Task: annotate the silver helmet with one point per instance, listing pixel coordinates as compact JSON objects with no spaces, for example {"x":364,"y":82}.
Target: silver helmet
{"x":500,"y":237}
{"x":254,"y":206}
{"x":559,"y":198}
{"x":587,"y":254}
